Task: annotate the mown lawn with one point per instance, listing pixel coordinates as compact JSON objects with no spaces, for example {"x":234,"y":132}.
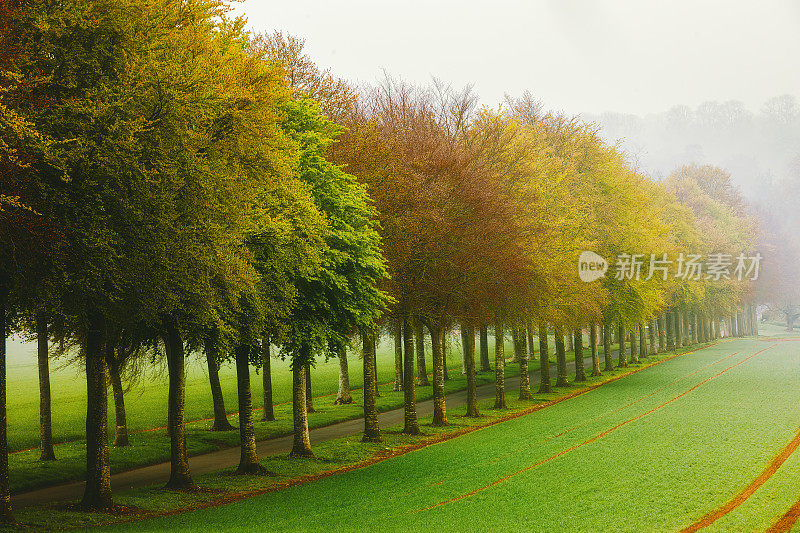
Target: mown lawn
{"x":331,"y":455}
{"x":146,"y":408}
{"x":690,"y":434}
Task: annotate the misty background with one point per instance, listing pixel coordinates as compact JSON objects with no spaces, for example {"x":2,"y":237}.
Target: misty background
{"x":704,"y":81}
{"x":759,"y":148}
{"x":674,"y":83}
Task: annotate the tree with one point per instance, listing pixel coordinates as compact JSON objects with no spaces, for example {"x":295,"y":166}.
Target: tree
{"x":343,"y":395}
{"x":211,"y":348}
{"x":342,"y":294}
{"x":45,"y":411}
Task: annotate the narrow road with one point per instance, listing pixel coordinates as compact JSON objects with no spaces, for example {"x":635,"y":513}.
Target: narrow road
{"x":229,"y":457}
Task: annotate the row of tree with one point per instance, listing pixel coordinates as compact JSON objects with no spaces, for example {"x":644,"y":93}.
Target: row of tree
{"x":171,"y":183}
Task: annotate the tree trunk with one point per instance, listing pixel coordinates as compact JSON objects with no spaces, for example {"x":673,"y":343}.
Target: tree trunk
{"x":439,"y":407}
{"x":524,"y":356}
{"x":570,"y":345}
{"x":422,"y":368}
{"x":221,"y":423}
{"x":662,"y":333}
{"x":544,"y":360}
{"x":463,"y":356}
{"x":595,"y":353}
{"x":678,"y":329}
{"x":301,"y":445}
{"x":561,"y":358}
{"x":687,"y":328}
{"x":484,"y":347}
{"x":45,"y":413}
{"x":642,"y":341}
{"x":343,"y":396}
{"x":468,"y":342}
{"x":372,"y":432}
{"x":622,"y":361}
{"x":374,"y":354}
{"x":499,"y":367}
{"x":670,"y":330}
{"x":445,"y":370}
{"x":755,"y":321}
{"x":609,"y":361}
{"x":634,"y":348}
{"x":266,"y":381}
{"x":120,"y":420}
{"x":309,"y":396}
{"x":577,"y":346}
{"x":410,"y":425}
{"x":6,"y":516}
{"x":179,"y":477}
{"x":398,"y":356}
{"x":248,"y":459}
{"x":653,"y":335}
{"x":748,"y":325}
{"x":97,"y":493}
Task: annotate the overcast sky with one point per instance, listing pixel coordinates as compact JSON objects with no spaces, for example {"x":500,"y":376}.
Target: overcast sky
{"x":578,"y":56}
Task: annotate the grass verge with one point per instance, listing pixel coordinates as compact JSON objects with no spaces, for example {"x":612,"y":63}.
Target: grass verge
{"x":332,"y":457}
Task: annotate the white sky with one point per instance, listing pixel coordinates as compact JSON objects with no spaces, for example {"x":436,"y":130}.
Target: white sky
{"x":635,"y":56}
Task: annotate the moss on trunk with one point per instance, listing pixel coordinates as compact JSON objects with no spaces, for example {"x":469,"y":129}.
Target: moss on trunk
{"x":410,"y":425}
{"x":372,"y":432}
{"x":468,"y":342}
{"x":301,"y":444}
{"x":248,"y":458}
{"x":499,"y":367}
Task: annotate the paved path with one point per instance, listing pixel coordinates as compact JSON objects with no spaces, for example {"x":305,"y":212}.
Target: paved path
{"x":229,"y":457}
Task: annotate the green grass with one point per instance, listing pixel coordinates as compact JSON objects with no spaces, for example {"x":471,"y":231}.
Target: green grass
{"x":660,"y":472}
{"x":146,"y":408}
{"x":330,"y":456}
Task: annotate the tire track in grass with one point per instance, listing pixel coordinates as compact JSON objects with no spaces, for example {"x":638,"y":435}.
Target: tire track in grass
{"x":786,"y":521}
{"x":634,"y":402}
{"x":596,"y":438}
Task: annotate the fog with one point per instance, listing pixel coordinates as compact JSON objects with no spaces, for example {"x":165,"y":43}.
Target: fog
{"x":759,"y":148}
{"x":681,"y":81}
{"x":580,"y":56}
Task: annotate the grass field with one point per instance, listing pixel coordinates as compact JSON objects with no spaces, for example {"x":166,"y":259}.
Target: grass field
{"x":654,"y":451}
{"x":146,"y":408}
{"x":146,"y":400}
